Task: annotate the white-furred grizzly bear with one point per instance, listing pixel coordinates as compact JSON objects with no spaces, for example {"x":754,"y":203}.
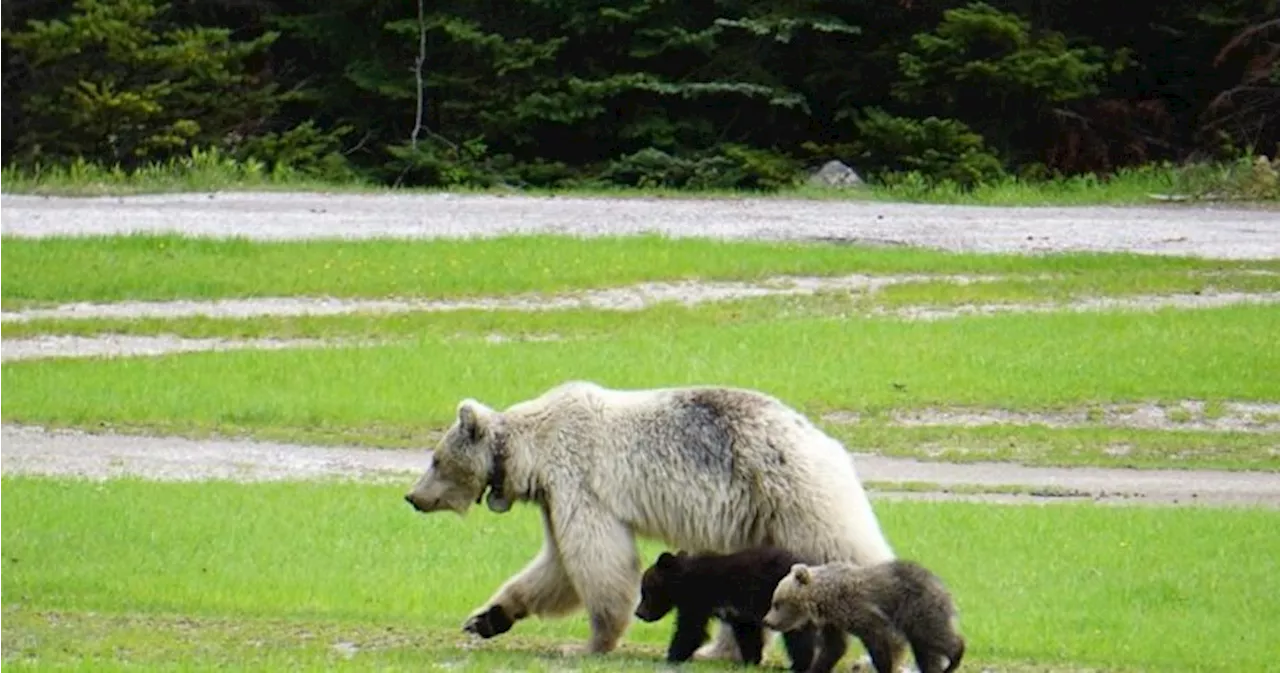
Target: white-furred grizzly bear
{"x":705,"y":469}
{"x":888,"y":606}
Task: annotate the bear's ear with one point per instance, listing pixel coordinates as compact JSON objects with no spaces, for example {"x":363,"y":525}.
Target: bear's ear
{"x":472,"y":419}
{"x":801,"y":573}
{"x":666,"y":561}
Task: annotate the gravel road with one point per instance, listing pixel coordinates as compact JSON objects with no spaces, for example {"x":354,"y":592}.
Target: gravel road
{"x":33,"y":450}
{"x":1221,"y":232}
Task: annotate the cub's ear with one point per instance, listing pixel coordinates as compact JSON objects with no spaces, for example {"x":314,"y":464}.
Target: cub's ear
{"x":666,"y":561}
{"x":801,"y":573}
{"x":473,"y":418}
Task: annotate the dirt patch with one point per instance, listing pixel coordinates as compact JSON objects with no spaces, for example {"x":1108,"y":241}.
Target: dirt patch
{"x":629,"y":298}
{"x":1074,"y":483}
{"x":122,"y":345}
{"x":1202,"y":230}
{"x":34,"y":450}
{"x":1183,"y":415}
{"x":1133,"y":303}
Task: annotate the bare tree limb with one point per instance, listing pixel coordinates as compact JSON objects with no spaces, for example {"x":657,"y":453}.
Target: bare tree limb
{"x":417,"y":71}
{"x":1245,"y":36}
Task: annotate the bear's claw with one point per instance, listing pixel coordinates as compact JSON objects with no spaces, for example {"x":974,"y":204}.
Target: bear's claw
{"x":489,"y":623}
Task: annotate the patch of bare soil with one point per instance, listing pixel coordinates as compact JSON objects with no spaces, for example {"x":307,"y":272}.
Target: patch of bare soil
{"x":34,"y":450}
{"x":1114,"y":485}
{"x":1132,"y":303}
{"x":123,"y":345}
{"x":629,"y":298}
{"x":1183,"y":415}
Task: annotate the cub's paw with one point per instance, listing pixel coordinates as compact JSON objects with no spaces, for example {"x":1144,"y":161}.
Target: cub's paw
{"x":489,"y":623}
{"x":574,"y":650}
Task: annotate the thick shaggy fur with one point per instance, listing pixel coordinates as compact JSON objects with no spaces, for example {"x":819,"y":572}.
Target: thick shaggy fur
{"x":735,"y":587}
{"x":886,"y":605}
{"x":705,"y":469}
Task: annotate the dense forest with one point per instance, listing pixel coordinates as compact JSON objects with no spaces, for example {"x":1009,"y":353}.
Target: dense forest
{"x":731,"y":93}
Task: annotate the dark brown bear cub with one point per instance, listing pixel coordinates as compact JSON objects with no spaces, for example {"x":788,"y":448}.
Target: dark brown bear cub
{"x":736,"y":588}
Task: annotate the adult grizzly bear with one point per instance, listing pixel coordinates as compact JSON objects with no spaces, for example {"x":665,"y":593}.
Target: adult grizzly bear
{"x":709,"y":469}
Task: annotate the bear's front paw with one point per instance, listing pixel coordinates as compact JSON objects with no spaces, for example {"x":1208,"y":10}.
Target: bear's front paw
{"x":489,"y":623}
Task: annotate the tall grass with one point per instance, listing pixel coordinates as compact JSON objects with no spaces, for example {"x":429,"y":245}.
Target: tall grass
{"x":205,"y":170}
{"x":1111,"y":588}
{"x":201,"y":170}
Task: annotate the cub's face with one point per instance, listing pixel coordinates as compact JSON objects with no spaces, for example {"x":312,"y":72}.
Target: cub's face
{"x":659,"y":587}
{"x":788,"y":610}
{"x":459,"y":466}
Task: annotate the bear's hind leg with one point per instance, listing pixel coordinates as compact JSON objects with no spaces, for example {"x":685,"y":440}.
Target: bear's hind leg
{"x":800,"y":646}
{"x":833,"y":644}
{"x":599,"y":556}
{"x":956,"y":654}
{"x":750,"y":639}
{"x":928,"y":659}
{"x":884,"y":648}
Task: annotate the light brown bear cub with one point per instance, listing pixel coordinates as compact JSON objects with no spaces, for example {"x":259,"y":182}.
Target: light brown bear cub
{"x":886,"y":605}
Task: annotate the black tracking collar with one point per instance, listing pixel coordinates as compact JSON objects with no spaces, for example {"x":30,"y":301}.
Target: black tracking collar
{"x":497,"y":476}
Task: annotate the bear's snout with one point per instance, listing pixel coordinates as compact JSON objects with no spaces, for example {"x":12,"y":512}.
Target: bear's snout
{"x":409,"y":499}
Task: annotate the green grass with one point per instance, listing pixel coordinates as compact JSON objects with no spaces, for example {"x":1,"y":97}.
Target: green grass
{"x":147,"y":267}
{"x":405,"y":390}
{"x":212,"y":171}
{"x":1127,"y":186}
{"x":570,"y":323}
{"x":274,"y":575}
{"x":202,"y":170}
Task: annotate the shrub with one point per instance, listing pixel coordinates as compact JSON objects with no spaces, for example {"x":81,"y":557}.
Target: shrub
{"x":115,"y":82}
{"x":934,"y":149}
{"x":727,"y":167}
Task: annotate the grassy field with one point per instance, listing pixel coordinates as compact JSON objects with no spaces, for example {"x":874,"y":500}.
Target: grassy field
{"x":906,"y":298}
{"x":171,"y":267}
{"x":282,"y":575}
{"x":407,"y":389}
{"x":128,"y":574}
